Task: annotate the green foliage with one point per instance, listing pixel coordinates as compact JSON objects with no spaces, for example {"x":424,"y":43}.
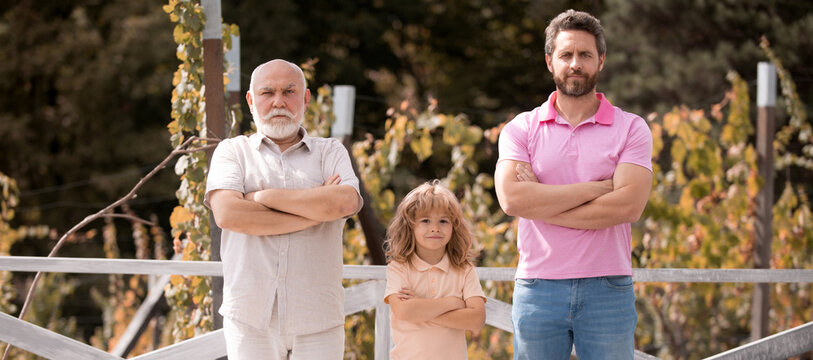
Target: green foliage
{"x":189,"y":297}
{"x":701,"y":215}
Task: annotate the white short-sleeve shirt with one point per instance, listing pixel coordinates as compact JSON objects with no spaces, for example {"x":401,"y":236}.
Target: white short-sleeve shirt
{"x":303,"y":269}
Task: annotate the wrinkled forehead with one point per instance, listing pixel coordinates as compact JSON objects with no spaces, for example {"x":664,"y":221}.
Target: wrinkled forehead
{"x":278,"y":74}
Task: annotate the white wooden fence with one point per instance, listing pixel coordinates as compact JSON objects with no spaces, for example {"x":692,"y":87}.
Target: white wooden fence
{"x":360,"y":297}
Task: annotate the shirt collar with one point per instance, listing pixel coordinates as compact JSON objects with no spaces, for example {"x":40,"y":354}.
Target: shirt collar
{"x":603,"y":116}
{"x":421,"y":265}
{"x":258,"y":139}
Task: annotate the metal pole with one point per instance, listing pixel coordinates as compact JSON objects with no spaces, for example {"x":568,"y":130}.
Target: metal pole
{"x":766,"y":105}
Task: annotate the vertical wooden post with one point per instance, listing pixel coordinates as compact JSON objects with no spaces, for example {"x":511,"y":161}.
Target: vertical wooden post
{"x":215,"y":122}
{"x":766,"y":105}
{"x":344,"y":97}
{"x":383,"y":336}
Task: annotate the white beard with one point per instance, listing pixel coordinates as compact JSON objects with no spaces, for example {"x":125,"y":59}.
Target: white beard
{"x":276,"y":128}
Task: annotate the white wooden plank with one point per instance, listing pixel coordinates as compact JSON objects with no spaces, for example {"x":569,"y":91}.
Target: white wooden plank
{"x":378,"y":272}
{"x":724,"y":275}
{"x":383,"y":336}
{"x":361,"y":297}
{"x":46,"y":343}
{"x":498,"y":314}
{"x":202,"y":347}
{"x":365,"y":272}
{"x":496,"y":273}
{"x":781,"y":345}
{"x":109,"y":266}
{"x":640,"y":355}
{"x":139,"y":321}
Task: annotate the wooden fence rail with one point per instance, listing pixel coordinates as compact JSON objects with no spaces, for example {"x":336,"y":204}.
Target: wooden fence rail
{"x":358,"y":298}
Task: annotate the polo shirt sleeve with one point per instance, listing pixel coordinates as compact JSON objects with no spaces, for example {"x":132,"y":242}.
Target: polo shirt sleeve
{"x":471,"y":284}
{"x":513,"y":142}
{"x":225,"y":171}
{"x":638,"y":148}
{"x":396,"y":279}
{"x":337,"y":161}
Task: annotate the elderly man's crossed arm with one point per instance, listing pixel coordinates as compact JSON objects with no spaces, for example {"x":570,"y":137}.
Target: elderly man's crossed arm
{"x":283,"y":211}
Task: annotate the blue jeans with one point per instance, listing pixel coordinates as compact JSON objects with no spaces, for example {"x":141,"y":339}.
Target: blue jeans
{"x":597,"y":315}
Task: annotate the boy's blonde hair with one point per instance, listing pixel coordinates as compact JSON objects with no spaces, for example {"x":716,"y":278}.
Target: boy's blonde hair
{"x":400,"y":243}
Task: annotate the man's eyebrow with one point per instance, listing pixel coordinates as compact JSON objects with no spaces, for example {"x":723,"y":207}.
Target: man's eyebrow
{"x":271,"y":88}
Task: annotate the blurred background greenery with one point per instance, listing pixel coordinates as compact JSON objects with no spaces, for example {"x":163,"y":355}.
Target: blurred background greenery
{"x":86,"y":90}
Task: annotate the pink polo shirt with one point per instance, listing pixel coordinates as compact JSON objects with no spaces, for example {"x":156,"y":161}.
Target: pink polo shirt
{"x":423,"y":340}
{"x":561,"y":154}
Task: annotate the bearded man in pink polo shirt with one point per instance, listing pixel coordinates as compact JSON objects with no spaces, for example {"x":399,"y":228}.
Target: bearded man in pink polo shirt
{"x":576,"y":171}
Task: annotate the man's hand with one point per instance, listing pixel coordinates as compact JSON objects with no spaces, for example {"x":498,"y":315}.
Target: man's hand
{"x":525,"y":173}
{"x":521,"y":194}
{"x":334,"y":179}
{"x":232,"y":211}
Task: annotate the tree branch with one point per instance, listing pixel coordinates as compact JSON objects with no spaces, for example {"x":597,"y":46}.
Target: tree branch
{"x":108,"y":212}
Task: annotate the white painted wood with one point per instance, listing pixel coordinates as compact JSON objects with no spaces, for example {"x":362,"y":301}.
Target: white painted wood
{"x":766,"y":84}
{"x":498,"y":314}
{"x":496,"y":273}
{"x":365,"y":272}
{"x":202,"y":347}
{"x":212,"y":29}
{"x":723,"y":275}
{"x":362,"y":296}
{"x":377,"y":272}
{"x":781,"y":345}
{"x":383,"y":335}
{"x":139,"y":321}
{"x":640,"y":355}
{"x":109,"y":266}
{"x":344,"y":100}
{"x":46,"y":343}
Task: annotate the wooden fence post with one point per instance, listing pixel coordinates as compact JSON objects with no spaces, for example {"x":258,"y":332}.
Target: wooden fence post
{"x":766,"y":104}
{"x":344,"y":98}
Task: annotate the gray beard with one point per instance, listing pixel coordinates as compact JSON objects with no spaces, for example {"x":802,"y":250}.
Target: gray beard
{"x":275,"y":129}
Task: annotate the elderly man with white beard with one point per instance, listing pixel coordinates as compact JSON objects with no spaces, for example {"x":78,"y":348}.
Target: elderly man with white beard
{"x":282,"y":198}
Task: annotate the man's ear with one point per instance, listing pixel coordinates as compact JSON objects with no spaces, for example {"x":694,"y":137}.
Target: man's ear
{"x":307,"y":97}
{"x":601,"y":61}
{"x":548,"y":59}
{"x":249,"y":99}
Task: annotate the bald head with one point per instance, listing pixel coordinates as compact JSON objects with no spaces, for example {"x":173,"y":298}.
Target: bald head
{"x":272,"y":66}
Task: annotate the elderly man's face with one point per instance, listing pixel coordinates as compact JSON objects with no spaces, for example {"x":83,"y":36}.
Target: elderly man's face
{"x":278,"y":100}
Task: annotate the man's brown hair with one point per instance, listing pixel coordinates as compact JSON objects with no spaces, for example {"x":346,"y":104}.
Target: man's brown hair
{"x":574,"y":20}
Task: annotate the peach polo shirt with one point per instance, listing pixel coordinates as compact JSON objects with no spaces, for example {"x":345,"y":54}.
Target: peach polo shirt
{"x":423,"y":340}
